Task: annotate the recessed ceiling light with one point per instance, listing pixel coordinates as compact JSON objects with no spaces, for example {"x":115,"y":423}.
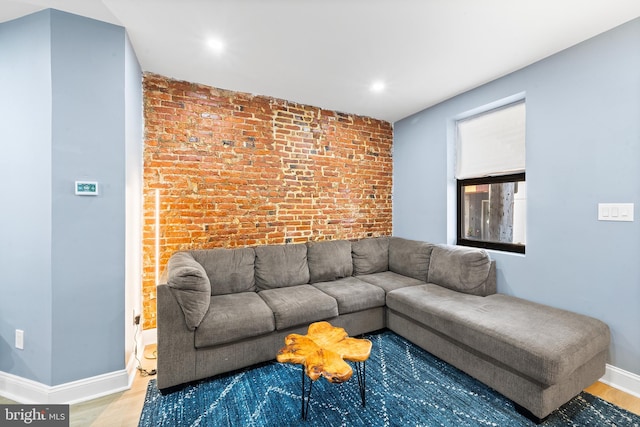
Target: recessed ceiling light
{"x":215,"y":45}
{"x":377,"y":86}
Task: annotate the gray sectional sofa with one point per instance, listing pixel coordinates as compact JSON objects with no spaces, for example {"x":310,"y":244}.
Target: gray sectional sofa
{"x":224,"y":309}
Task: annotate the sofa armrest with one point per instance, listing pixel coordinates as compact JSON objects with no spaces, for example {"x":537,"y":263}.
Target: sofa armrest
{"x":190,"y":285}
{"x":176,"y":350}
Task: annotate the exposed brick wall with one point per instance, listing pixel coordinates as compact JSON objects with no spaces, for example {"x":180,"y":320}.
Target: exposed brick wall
{"x":233,"y":169}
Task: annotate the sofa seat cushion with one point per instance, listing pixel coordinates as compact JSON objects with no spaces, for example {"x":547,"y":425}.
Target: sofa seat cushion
{"x":233,"y":317}
{"x":544,"y":343}
{"x":352,"y":294}
{"x":299,"y":305}
{"x":388,"y":280}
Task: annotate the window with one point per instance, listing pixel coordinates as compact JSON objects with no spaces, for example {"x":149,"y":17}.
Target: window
{"x":490,"y":174}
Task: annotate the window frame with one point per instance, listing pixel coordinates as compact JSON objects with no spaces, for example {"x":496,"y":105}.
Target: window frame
{"x":461,"y":240}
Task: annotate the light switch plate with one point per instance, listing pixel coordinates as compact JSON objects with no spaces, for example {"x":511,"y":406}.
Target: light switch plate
{"x":615,"y":212}
{"x":86,"y":188}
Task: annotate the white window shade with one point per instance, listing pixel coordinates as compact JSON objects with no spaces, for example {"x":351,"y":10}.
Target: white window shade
{"x":492,"y":144}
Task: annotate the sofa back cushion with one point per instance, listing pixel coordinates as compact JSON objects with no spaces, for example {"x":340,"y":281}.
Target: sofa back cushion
{"x":329,"y":260}
{"x":280,"y":266}
{"x":229,"y":270}
{"x":190,"y":284}
{"x":462,"y":269}
{"x":409,"y":257}
{"x":370,"y":255}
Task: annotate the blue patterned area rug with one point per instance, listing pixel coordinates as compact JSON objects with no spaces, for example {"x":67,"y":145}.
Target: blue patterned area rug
{"x":406,"y":386}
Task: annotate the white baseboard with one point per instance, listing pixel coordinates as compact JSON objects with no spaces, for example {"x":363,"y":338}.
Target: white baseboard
{"x":622,"y":380}
{"x":27,"y":391}
{"x":23,"y":390}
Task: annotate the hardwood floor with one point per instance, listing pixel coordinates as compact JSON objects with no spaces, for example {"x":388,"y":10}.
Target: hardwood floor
{"x":615,"y":396}
{"x":123,"y":409}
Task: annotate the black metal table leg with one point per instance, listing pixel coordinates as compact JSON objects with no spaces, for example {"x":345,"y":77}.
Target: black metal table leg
{"x":361,"y":370}
{"x":306,"y":397}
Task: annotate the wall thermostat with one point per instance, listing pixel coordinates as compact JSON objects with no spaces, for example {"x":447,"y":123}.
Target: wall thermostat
{"x":86,"y":188}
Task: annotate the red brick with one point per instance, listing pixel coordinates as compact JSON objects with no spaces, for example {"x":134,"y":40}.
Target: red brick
{"x":290,"y":173}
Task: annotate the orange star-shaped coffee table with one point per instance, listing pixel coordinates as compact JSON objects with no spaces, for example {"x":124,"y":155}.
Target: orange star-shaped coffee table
{"x":324,"y":352}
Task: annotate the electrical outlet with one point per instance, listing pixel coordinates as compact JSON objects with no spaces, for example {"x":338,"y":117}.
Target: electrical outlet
{"x":19,"y":339}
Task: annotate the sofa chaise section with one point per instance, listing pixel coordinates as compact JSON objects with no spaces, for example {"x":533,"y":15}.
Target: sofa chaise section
{"x":538,"y":356}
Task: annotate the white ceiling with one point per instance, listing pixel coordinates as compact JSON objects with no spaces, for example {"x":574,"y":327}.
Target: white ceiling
{"x":327,"y":53}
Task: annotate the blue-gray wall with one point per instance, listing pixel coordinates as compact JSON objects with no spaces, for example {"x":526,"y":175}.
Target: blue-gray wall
{"x":25,"y":192}
{"x":88,"y":245}
{"x":66,"y":254}
{"x":583,"y":147}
